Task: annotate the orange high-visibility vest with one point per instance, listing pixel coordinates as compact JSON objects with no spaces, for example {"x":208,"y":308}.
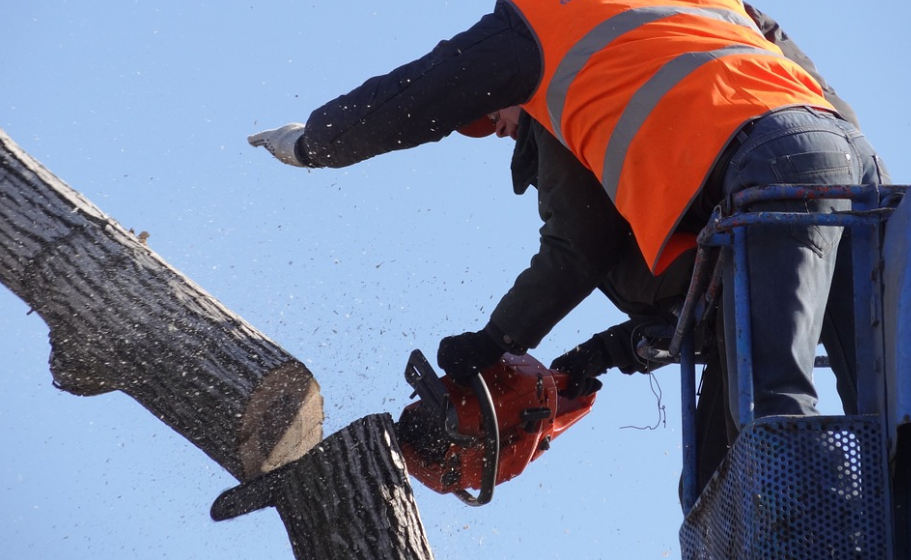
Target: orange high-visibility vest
{"x":647,"y":94}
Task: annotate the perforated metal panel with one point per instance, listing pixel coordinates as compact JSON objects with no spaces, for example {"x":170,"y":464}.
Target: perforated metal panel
{"x":796,"y":488}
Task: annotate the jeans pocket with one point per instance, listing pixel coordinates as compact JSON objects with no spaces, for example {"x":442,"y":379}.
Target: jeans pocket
{"x":816,"y":168}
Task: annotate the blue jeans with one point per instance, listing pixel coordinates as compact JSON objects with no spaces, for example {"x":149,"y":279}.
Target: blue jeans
{"x":793,"y":268}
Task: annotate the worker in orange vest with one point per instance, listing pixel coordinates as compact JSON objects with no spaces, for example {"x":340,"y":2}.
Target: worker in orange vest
{"x":672,"y":107}
{"x":573,"y":215}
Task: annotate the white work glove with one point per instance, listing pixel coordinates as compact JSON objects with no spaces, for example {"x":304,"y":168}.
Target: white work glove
{"x":280,"y":142}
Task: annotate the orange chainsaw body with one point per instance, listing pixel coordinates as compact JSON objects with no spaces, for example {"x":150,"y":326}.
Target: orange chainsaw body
{"x":529,"y":415}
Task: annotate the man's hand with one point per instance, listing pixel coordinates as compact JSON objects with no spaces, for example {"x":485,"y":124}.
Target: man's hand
{"x":468,"y":354}
{"x":583,"y":363}
{"x":280,"y":142}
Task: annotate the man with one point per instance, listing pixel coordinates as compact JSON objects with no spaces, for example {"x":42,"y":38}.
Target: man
{"x":631,"y":287}
{"x":571,"y":205}
{"x":671,"y":108}
{"x":539,"y":160}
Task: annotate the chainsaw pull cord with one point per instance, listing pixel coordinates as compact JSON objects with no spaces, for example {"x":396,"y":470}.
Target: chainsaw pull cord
{"x":491,"y":445}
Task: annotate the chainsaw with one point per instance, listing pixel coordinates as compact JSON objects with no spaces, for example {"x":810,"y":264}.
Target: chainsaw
{"x":455,"y":438}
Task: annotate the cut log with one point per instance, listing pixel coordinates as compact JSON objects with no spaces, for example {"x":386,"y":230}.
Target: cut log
{"x":120,"y":318}
{"x":349,"y":498}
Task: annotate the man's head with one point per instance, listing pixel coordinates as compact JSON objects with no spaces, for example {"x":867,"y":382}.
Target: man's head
{"x":503,"y":123}
{"x":480,"y":128}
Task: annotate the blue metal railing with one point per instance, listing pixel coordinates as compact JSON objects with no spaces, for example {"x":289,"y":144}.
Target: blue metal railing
{"x":871,"y":205}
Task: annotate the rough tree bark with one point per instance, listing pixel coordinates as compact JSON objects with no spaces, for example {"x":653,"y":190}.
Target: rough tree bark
{"x":120,"y":318}
{"x":354,"y":487}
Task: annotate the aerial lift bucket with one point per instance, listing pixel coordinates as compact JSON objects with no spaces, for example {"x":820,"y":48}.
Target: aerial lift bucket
{"x":808,"y":487}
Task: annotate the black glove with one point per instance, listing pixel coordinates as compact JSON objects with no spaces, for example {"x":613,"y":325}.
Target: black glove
{"x":468,"y":354}
{"x":583,"y":363}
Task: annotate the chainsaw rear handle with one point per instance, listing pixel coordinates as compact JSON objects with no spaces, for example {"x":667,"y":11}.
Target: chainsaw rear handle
{"x":428,"y":386}
{"x":491,"y":446}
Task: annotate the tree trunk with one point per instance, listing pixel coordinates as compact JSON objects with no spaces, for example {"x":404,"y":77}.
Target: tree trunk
{"x":352,"y":490}
{"x":121,"y":319}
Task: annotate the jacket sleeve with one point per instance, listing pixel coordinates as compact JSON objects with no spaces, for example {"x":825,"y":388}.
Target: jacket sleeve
{"x":775,"y":34}
{"x":494,"y":64}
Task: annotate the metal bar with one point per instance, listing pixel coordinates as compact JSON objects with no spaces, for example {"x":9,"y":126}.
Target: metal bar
{"x":688,"y":427}
{"x":744,"y":333}
{"x":868,"y":331}
{"x":751,"y":196}
{"x":714,"y":288}
{"x":694,"y":292}
{"x":709,"y":235}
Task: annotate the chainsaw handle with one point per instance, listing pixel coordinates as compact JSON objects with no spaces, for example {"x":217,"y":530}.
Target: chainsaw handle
{"x":491,"y":445}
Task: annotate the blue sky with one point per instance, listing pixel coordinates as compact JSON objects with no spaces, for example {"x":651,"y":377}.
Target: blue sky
{"x":145,"y":106}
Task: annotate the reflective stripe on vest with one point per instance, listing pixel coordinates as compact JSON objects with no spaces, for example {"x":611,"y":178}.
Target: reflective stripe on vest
{"x":605,"y":34}
{"x":645,"y":99}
